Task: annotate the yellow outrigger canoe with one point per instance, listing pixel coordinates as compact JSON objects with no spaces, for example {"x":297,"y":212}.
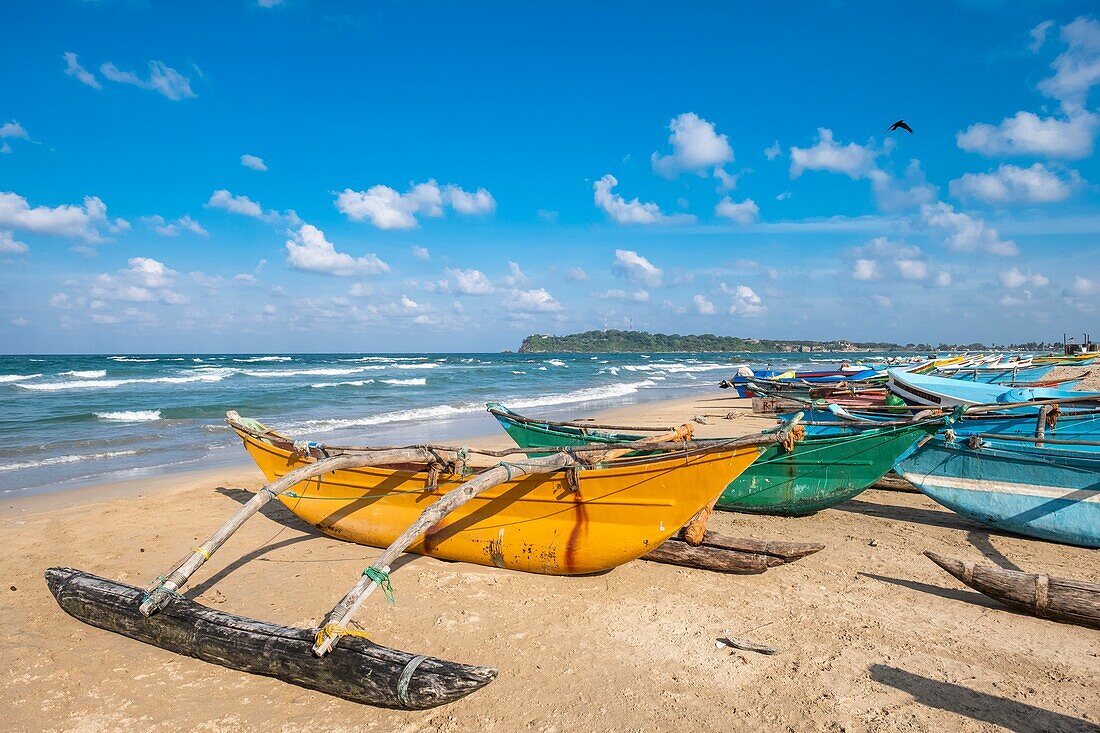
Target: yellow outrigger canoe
{"x":550,"y":523}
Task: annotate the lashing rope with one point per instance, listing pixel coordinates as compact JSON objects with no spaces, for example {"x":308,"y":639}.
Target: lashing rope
{"x":382,"y":579}
{"x":333,"y":631}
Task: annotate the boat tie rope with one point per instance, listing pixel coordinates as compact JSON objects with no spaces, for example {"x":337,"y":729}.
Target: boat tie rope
{"x":382,"y":579}
{"x":949,"y":436}
{"x":333,"y":631}
{"x":156,"y":585}
{"x":1052,"y":415}
{"x":508,"y":468}
{"x":202,"y":551}
{"x":406,"y":677}
{"x":795,"y":435}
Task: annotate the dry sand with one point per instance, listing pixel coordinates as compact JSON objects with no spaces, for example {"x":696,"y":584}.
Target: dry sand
{"x":873,"y":636}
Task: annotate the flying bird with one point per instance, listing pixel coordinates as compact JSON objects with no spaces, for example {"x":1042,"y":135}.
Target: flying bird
{"x":902,"y":125}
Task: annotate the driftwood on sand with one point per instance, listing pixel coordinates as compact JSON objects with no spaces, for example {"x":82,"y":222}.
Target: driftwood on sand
{"x":361,"y":670}
{"x":1061,"y":599}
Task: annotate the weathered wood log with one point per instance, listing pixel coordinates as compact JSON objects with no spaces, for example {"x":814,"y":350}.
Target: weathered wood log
{"x":343,"y":611}
{"x":677,"y":552}
{"x":1060,"y":599}
{"x":185,"y":568}
{"x":785,"y":551}
{"x":361,"y":671}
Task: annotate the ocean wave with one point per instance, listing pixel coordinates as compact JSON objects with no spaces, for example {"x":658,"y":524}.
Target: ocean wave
{"x":252,"y":359}
{"x":65,"y":459}
{"x":357,"y":383}
{"x":555,"y":362}
{"x":415,"y":382}
{"x":516,"y":372}
{"x":317,"y":372}
{"x":129,"y":415}
{"x":112,"y":383}
{"x":386,"y":358}
{"x":88,"y":374}
{"x":6,"y":378}
{"x":436,"y":412}
{"x":131,"y":359}
{"x":429,"y":365}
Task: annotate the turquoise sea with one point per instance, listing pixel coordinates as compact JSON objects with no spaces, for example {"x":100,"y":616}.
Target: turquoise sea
{"x":67,"y":421}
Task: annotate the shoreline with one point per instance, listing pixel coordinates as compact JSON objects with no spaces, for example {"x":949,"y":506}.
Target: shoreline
{"x":873,"y":638}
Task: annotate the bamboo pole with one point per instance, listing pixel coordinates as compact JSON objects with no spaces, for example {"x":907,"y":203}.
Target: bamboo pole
{"x":182,"y":572}
{"x":339,"y":616}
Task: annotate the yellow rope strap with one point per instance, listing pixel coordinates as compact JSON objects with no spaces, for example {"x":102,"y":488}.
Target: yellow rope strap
{"x":795,"y":435}
{"x":332,"y":631}
{"x":201,"y":551}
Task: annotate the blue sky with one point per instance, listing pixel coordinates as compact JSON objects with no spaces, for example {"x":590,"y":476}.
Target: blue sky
{"x":315,"y":176}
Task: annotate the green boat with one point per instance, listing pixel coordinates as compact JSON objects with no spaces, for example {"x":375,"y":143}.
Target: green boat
{"x":818,"y":473}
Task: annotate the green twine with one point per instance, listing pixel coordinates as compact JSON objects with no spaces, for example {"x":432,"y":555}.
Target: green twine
{"x":160,"y":581}
{"x":382,"y":578}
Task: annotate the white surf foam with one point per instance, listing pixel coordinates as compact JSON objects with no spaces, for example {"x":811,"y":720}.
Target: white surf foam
{"x":436,"y":412}
{"x":89,"y":374}
{"x":211,"y":376}
{"x":6,"y":378}
{"x":416,"y":382}
{"x":317,"y":372}
{"x":65,"y":459}
{"x":129,"y":415}
{"x":252,"y":359}
{"x":131,"y":359}
{"x":356,"y":383}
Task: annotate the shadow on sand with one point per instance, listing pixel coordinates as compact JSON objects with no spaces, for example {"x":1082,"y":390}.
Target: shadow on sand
{"x":979,"y":706}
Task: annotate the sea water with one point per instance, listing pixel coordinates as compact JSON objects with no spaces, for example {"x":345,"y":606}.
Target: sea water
{"x":67,"y":421}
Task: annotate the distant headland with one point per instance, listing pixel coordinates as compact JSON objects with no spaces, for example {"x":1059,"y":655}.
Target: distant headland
{"x":612,"y":341}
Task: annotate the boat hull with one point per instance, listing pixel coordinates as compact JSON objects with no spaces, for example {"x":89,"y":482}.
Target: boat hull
{"x":536,"y":523}
{"x":1037,"y":492}
{"x":820,"y":472}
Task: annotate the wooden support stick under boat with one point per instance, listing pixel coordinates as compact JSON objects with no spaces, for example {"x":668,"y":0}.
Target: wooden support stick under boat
{"x":1061,"y":599}
{"x":334,"y":625}
{"x":182,"y":572}
{"x":785,"y":551}
{"x":678,"y":552}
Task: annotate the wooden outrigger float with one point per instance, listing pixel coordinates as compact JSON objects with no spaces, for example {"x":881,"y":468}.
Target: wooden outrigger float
{"x":1061,"y":599}
{"x":576,"y":510}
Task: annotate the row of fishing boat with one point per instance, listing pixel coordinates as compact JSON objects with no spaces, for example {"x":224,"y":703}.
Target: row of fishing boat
{"x":579,"y":497}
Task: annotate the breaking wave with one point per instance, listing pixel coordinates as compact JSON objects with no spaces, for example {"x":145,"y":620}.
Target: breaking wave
{"x":65,"y":459}
{"x":6,"y":378}
{"x":88,"y":374}
{"x":129,"y":415}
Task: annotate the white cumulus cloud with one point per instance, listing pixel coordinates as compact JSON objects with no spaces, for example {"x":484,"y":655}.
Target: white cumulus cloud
{"x":9,"y":245}
{"x":1026,"y":133}
{"x":622,"y":211}
{"x":1014,"y":278}
{"x":254,"y":162}
{"x":865,"y":269}
{"x":222,"y":199}
{"x":307,"y":249}
{"x":965,"y":233}
{"x":1077,"y":69}
{"x":744,"y":300}
{"x":854,"y":161}
{"x":470,"y":282}
{"x":741,"y":212}
{"x":703,"y":306}
{"x":696,"y":148}
{"x":387,"y":208}
{"x":531,"y":301}
{"x":68,"y":220}
{"x":636,"y":268}
{"x":1010,"y":184}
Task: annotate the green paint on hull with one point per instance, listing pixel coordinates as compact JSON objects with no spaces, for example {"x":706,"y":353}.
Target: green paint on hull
{"x":821,"y":471}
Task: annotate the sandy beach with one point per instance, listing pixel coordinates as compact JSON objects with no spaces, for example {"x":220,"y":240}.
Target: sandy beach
{"x":873,"y":637}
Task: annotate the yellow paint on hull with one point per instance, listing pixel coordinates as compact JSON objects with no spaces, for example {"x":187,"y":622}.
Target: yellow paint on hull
{"x":534,"y":524}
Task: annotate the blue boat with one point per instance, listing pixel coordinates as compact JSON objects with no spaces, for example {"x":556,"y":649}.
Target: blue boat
{"x":1072,"y":424}
{"x":997,"y":375}
{"x":1052,"y":493}
{"x":921,"y":389}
